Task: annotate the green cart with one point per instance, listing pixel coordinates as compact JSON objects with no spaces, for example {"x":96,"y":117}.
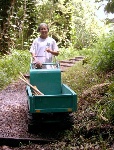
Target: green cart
{"x":58,"y":99}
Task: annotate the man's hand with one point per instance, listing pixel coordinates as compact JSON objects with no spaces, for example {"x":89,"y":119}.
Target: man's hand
{"x":48,"y":50}
{"x":38,"y":65}
{"x":34,"y":58}
{"x":56,"y":53}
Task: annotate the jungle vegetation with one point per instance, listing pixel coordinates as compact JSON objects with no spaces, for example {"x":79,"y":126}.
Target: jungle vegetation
{"x":71,"y":23}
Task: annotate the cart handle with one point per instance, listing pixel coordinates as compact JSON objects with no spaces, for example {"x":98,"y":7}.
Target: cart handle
{"x":57,"y":64}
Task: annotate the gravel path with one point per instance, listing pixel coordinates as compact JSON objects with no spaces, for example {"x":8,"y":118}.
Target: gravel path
{"x":13,"y":114}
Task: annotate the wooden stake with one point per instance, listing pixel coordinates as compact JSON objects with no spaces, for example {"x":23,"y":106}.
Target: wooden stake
{"x":33,"y":87}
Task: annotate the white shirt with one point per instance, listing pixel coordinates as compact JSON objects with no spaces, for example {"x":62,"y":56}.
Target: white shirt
{"x":39,"y":46}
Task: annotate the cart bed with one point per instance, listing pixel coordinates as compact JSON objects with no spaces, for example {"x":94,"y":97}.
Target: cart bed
{"x":64,"y":102}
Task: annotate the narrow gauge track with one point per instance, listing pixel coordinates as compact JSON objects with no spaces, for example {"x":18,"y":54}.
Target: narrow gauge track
{"x":64,"y":64}
{"x":15,"y":142}
{"x":13,"y":120}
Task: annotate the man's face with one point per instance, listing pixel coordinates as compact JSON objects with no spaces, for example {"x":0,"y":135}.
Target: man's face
{"x":43,"y":31}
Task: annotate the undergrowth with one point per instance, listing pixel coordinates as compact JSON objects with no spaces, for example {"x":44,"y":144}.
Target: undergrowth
{"x":94,"y":121}
{"x":81,"y":77}
{"x":11,"y":65}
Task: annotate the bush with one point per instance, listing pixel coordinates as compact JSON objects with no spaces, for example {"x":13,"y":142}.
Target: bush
{"x":104,"y":54}
{"x":11,"y":65}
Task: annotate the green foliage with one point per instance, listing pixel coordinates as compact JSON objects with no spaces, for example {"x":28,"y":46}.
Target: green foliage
{"x":11,"y":65}
{"x":18,"y":24}
{"x":67,"y":53}
{"x":94,"y":119}
{"x":86,"y":26}
{"x":109,"y":8}
{"x":58,"y":16}
{"x":23,"y":21}
{"x":70,"y":22}
{"x":80,"y":77}
{"x":104,"y":53}
{"x":105,"y":107}
{"x":110,"y":111}
{"x":4,"y":36}
{"x":110,"y":106}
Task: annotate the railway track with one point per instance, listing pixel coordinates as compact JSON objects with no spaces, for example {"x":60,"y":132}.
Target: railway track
{"x":15,"y":142}
{"x":64,"y":64}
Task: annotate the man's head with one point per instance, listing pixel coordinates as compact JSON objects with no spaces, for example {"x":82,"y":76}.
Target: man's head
{"x":42,"y":25}
{"x":43,"y":29}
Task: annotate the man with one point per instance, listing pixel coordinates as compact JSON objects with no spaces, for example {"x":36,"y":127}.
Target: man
{"x":44,"y":47}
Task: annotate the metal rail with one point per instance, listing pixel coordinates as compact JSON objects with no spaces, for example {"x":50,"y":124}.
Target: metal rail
{"x":15,"y":142}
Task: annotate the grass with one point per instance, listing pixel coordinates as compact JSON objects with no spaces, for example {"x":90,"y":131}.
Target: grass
{"x":11,"y":65}
{"x":81,"y":77}
{"x":66,"y":53}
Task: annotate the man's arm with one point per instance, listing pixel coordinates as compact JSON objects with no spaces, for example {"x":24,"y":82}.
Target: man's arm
{"x":35,"y":60}
{"x":56,"y":53}
{"x":34,"y":56}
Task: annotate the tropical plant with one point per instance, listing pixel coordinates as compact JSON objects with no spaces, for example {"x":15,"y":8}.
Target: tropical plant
{"x":104,"y":53}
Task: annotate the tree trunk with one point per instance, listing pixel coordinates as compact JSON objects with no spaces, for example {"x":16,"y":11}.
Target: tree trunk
{"x":5,"y":10}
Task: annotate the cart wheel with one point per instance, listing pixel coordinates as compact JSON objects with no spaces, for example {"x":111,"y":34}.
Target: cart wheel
{"x":67,"y":121}
{"x":30,"y":118}
{"x":30,"y":128}
{"x":34,"y":122}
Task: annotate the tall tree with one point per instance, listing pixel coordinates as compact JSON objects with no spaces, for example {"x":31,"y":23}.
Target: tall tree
{"x":109,"y":7}
{"x":86,"y":25}
{"x":5,"y":8}
{"x":16,"y":22}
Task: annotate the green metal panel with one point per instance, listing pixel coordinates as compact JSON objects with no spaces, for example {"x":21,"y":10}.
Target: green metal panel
{"x":55,"y":104}
{"x":64,"y":102}
{"x":47,"y":81}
